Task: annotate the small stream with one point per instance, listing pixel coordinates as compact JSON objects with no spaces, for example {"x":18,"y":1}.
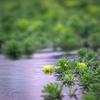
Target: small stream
{"x":24,"y":79}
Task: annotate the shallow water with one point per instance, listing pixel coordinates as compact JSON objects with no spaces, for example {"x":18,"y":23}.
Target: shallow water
{"x":24,"y":79}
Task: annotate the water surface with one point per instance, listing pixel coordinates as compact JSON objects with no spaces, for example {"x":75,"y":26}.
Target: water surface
{"x":24,"y":79}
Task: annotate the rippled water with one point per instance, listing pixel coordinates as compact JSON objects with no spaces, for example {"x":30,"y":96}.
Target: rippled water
{"x":24,"y":79}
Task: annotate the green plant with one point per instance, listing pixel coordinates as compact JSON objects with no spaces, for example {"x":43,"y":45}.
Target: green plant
{"x":96,"y":64}
{"x":86,"y":56}
{"x":69,"y":40}
{"x":72,"y":93}
{"x":7,"y":27}
{"x":97,"y":75}
{"x":71,"y":64}
{"x":29,"y":46}
{"x":68,"y":78}
{"x":43,"y":42}
{"x":93,"y":64}
{"x":94,"y":88}
{"x":87,"y":79}
{"x":72,"y":43}
{"x":97,"y":79}
{"x":23,"y":24}
{"x":59,"y":28}
{"x":2,"y":39}
{"x":82,"y":52}
{"x":91,"y":55}
{"x":56,"y":42}
{"x":12,"y":48}
{"x":89,"y":63}
{"x":58,"y":70}
{"x":70,"y":71}
{"x":81,"y":71}
{"x":89,"y":96}
{"x":97,"y":71}
{"x":94,"y":40}
{"x":52,"y":91}
{"x":85,"y":43}
{"x":36,"y":25}
{"x":63,"y":63}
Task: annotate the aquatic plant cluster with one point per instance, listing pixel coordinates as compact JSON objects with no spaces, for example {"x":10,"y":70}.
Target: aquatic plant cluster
{"x":36,"y":24}
{"x":85,"y":72}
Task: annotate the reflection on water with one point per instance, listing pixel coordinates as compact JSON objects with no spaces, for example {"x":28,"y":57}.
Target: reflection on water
{"x":24,"y":79}
{"x":47,"y":73}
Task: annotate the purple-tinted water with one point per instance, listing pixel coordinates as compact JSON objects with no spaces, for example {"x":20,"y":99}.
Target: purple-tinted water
{"x":24,"y":79}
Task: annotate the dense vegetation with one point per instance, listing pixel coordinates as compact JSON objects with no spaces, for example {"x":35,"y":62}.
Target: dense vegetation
{"x":35,"y":24}
{"x":84,"y":72}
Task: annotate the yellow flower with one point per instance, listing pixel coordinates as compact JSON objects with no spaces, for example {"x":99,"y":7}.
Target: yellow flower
{"x":81,"y":65}
{"x":48,"y":68}
{"x":58,"y":66}
{"x":65,"y":66}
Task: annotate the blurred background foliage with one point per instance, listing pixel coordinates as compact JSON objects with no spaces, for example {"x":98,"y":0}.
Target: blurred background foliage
{"x":37,"y":24}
